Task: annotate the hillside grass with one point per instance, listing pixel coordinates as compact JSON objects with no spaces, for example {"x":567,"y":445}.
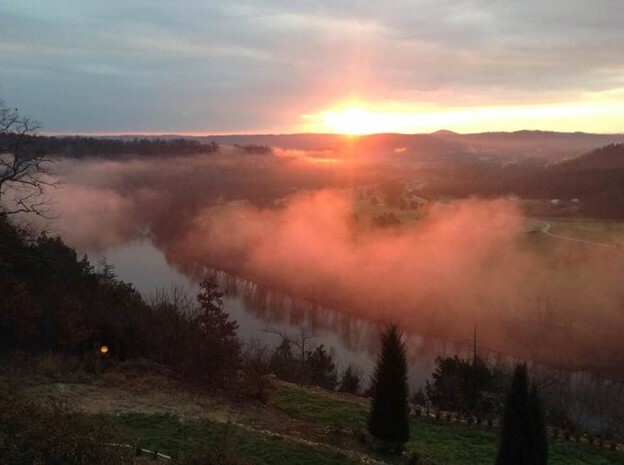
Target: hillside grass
{"x":299,"y":425}
{"x":172,"y":436}
{"x":448,"y":444}
{"x":318,"y":406}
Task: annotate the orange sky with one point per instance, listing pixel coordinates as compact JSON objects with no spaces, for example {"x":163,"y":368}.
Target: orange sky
{"x":269,"y":66}
{"x":594,"y":113}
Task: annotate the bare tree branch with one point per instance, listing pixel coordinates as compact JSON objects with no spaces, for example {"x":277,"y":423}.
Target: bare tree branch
{"x":301,"y":339}
{"x":25,"y":173}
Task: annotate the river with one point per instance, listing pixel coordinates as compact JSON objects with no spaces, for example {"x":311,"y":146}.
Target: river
{"x":257,"y":310}
{"x":352,"y":339}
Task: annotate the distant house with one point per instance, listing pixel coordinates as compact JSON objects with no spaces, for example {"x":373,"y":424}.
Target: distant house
{"x":555,"y":201}
{"x":575,"y":200}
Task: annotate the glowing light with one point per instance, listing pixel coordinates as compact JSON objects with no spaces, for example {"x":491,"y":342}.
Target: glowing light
{"x":104,"y":349}
{"x":592,"y":113}
{"x":350,"y":121}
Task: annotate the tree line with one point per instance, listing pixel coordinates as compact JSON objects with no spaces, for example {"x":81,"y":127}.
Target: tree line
{"x":82,"y":146}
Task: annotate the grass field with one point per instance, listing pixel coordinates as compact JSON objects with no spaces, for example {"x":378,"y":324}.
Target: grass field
{"x":167,"y":434}
{"x":607,"y":232}
{"x":298,"y":425}
{"x":319,"y":407}
{"x":440,"y":443}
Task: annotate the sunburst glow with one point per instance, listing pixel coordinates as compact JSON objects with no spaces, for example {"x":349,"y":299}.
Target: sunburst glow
{"x":350,"y":121}
{"x":590,"y":114}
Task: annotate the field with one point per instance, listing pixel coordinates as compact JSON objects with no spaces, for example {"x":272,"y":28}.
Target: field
{"x":366,"y":212}
{"x":298,"y":425}
{"x":440,"y":443}
{"x":599,"y":231}
{"x":541,"y":216}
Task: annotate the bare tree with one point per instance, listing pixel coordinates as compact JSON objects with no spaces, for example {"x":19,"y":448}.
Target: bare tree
{"x":176,"y":297}
{"x":25,"y":171}
{"x":302,"y":339}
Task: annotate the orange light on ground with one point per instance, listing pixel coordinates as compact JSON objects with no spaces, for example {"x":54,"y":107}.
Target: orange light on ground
{"x":104,"y":349}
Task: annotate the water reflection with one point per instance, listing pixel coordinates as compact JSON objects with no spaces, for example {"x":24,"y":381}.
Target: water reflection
{"x":256,"y":308}
{"x":591,"y":399}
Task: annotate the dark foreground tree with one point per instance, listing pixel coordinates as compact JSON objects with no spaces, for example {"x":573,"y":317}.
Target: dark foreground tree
{"x":523,"y":433}
{"x":537,"y":428}
{"x":388,"y":420}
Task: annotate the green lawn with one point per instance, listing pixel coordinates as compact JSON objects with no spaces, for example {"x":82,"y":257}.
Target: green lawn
{"x":166,"y":434}
{"x":452,"y":444}
{"x":441,"y":443}
{"x":318,"y":407}
{"x":602,"y":231}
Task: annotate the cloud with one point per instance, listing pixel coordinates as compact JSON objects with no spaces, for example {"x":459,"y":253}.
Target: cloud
{"x":253,"y":66}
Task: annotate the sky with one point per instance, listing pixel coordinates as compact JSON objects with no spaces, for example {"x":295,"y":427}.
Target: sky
{"x":283,"y":66}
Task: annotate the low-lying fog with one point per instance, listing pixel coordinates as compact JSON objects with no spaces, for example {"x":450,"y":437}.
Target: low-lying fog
{"x":464,"y":263}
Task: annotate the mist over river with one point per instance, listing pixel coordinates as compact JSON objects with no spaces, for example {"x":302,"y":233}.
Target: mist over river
{"x":353,"y":339}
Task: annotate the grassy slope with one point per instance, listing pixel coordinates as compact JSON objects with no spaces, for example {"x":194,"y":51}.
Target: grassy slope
{"x":300,"y":425}
{"x":443,"y":444}
{"x":167,"y":434}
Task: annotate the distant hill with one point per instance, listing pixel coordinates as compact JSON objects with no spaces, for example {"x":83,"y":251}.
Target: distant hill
{"x":445,"y":132}
{"x":609,"y":157}
{"x":546,"y":145}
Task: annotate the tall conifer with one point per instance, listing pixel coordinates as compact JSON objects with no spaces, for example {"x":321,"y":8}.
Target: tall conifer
{"x":389,"y":415}
{"x":523,"y":433}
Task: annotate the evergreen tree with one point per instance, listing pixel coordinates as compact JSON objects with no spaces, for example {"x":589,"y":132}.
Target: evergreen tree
{"x":282,"y":362}
{"x":523,"y":433}
{"x":321,"y":368}
{"x":220,"y":347}
{"x":537,"y":428}
{"x":350,"y":381}
{"x":514,"y":444}
{"x":388,"y":419}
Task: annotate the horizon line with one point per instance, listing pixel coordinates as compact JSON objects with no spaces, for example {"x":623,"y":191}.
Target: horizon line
{"x":277,"y":134}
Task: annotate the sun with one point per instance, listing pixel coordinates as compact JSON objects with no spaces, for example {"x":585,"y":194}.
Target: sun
{"x":356,"y":117}
{"x":349,"y":121}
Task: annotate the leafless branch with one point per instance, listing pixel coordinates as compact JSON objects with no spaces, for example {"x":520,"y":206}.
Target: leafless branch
{"x":26,"y":174}
{"x":301,"y":339}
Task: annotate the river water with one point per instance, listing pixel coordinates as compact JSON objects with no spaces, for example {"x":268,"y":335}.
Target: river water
{"x":353,"y":340}
{"x":257,"y":310}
